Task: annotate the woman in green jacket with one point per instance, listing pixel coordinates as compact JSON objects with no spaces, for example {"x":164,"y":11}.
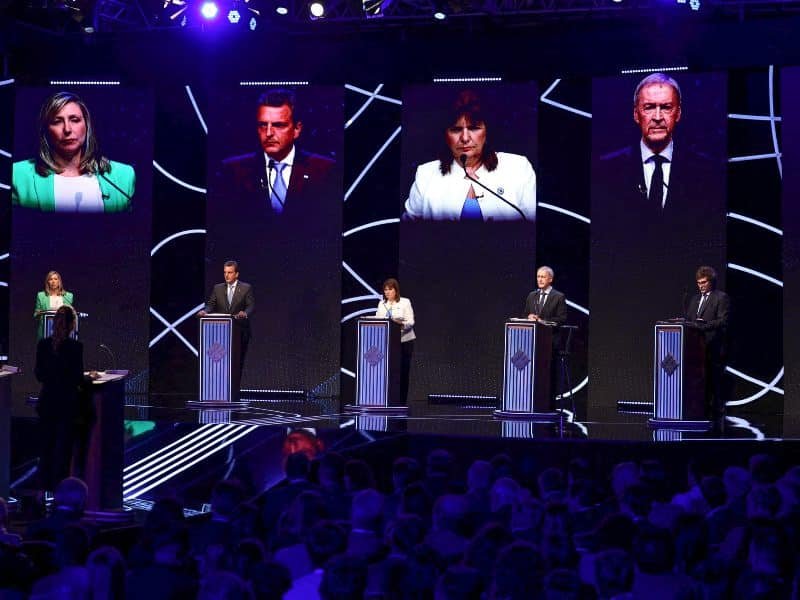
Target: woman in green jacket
{"x":53,"y":297}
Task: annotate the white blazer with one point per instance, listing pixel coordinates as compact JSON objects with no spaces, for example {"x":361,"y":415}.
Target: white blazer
{"x":402,"y":311}
{"x":437,"y":197}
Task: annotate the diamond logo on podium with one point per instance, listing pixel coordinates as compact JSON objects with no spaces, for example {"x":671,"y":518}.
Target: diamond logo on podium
{"x":216,"y":352}
{"x":669,"y":364}
{"x":520,"y":360}
{"x":373,"y":356}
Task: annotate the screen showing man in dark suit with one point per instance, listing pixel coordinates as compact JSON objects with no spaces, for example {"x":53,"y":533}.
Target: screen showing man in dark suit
{"x":276,"y":204}
{"x":657,"y":210}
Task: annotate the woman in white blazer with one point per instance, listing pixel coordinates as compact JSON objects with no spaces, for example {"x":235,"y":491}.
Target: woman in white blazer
{"x":399,"y":309}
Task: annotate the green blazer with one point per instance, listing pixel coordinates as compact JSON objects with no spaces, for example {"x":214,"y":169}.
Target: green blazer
{"x":31,"y":190}
{"x":42,"y":304}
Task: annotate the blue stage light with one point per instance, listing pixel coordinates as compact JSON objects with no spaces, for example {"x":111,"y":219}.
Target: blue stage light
{"x":234,"y":16}
{"x":209,"y":10}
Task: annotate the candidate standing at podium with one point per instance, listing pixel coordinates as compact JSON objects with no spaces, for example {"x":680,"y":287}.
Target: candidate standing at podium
{"x":546,"y":303}
{"x":399,"y":309}
{"x":710,"y":310}
{"x":53,"y":297}
{"x":235,"y":298}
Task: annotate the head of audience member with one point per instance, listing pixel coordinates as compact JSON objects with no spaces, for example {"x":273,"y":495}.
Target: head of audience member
{"x":71,"y":495}
{"x":764,"y":469}
{"x":297,"y":467}
{"x":53,"y":285}
{"x":706,"y":278}
{"x":450,"y":512}
{"x":504,"y":494}
{"x":248,"y":557}
{"x":358,"y":476}
{"x":556,"y":519}
{"x":330,"y":471}
{"x":417,"y":501}
{"x":654,"y":551}
{"x":345,"y":578}
{"x":66,"y":135}
{"x":391,"y":290}
{"x":653,"y":474}
{"x":551,"y":484}
{"x":106,"y":567}
{"x":636,"y":501}
{"x":404,"y":533}
{"x":770,"y":551}
{"x":613,"y":573}
{"x":763,"y":502}
{"x":502,"y":466}
{"x":737,"y":483}
{"x":72,"y":546}
{"x":278,"y":123}
{"x":439,"y":464}
{"x":164,"y":519}
{"x":405,"y":471}
{"x":657,"y":109}
{"x":713,"y":490}
{"x":367,"y":510}
{"x":459,"y":582}
{"x":466,"y":137}
{"x":324,"y":540}
{"x":63,"y":324}
{"x":690,"y":535}
{"x":479,"y":476}
{"x":226,"y":497}
{"x":305,"y":510}
{"x":518,"y":572}
{"x":623,"y":474}
{"x":270,"y":581}
{"x":482,"y":550}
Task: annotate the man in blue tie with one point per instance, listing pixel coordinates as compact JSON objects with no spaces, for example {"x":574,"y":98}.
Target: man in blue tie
{"x":280,"y":179}
{"x":235,"y":298}
{"x":710,"y":310}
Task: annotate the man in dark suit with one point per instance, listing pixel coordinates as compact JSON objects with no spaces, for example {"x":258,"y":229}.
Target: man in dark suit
{"x":235,"y":298}
{"x":546,"y":303}
{"x":280,"y":179}
{"x":710,"y":310}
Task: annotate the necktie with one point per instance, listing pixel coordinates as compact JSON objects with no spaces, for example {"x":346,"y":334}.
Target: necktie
{"x":471,"y":210}
{"x":278,"y":196}
{"x":230,"y":294}
{"x":542,"y":299}
{"x":702,"y":302}
{"x":656,"y":192}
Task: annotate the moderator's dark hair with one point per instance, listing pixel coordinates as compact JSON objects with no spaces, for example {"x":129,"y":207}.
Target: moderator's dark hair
{"x":468,"y":105}
{"x":91,"y":159}
{"x":278,"y":97}
{"x":392,"y":284}
{"x":707,"y":272}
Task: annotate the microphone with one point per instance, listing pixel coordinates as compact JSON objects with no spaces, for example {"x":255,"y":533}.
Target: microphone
{"x":685,"y":301}
{"x":116,"y":187}
{"x":463,"y":160}
{"x":111,"y":354}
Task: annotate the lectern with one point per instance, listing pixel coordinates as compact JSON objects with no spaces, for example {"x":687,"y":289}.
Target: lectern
{"x":378,"y":366}
{"x":526,"y":371}
{"x":219,"y":359}
{"x":679,"y":377}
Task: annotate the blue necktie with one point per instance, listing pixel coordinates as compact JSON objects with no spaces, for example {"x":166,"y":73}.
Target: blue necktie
{"x":230,"y":294}
{"x":278,"y":196}
{"x":471,"y":210}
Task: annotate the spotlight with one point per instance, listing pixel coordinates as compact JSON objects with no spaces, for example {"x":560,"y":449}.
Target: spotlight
{"x":316,"y":9}
{"x":234,"y":16}
{"x":253,"y":24}
{"x":439,"y":15}
{"x":209,"y":10}
{"x":281,"y":10}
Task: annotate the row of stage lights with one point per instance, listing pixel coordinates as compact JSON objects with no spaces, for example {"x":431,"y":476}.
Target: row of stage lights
{"x":243,"y":11}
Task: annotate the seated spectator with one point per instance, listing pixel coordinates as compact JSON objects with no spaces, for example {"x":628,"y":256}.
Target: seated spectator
{"x":405,"y":471}
{"x":106,"y":567}
{"x":308,"y":509}
{"x":345,"y":578}
{"x":358,"y":476}
{"x":69,"y":502}
{"x":655,"y":577}
{"x":484,"y":547}
{"x":366,"y":517}
{"x":224,"y":585}
{"x":459,"y":582}
{"x":552,"y":486}
{"x":518,"y":573}
{"x":330,"y":473}
{"x":325,"y":540}
{"x":271,"y":581}
{"x":277,"y":499}
{"x":170,"y":574}
{"x":71,"y":580}
{"x":613,"y":574}
{"x":448,"y":536}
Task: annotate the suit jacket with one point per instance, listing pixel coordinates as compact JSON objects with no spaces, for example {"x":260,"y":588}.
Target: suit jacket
{"x":715,"y":313}
{"x":31,"y":190}
{"x":43,"y":304}
{"x":555,"y":308}
{"x":243,"y":300}
{"x":61,"y":374}
{"x":311,"y":186}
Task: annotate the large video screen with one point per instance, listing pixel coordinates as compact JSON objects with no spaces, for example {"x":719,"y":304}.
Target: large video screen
{"x":275,"y":206}
{"x":81,"y":207}
{"x":468,"y":228}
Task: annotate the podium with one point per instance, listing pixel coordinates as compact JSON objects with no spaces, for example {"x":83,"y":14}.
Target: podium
{"x":679,"y":377}
{"x":49,"y":318}
{"x":220,"y":370}
{"x":378,"y":366}
{"x":105,"y":456}
{"x":527,"y":359}
{"x":6,"y":373}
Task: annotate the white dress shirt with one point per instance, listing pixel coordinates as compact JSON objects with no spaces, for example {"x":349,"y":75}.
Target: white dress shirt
{"x":402,"y":311}
{"x":287,"y":170}
{"x":437,"y":197}
{"x":650,"y":167}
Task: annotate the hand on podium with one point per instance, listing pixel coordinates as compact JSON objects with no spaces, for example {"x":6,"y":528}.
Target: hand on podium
{"x":533,"y":317}
{"x":202,"y":313}
{"x":240,"y":315}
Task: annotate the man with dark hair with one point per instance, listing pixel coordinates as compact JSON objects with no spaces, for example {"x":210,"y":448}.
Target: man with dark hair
{"x":235,"y":298}
{"x":279,"y":178}
{"x":709,"y":310}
